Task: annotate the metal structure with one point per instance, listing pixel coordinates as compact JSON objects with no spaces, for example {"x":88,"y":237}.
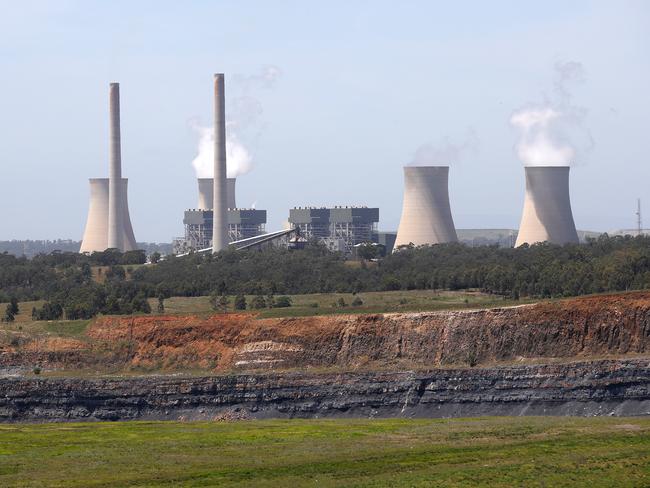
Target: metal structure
{"x":206,"y":193}
{"x":639,"y":222}
{"x":108,"y":224}
{"x":289,"y":238}
{"x":340,"y":228}
{"x":242,"y":224}
{"x":426,"y":213}
{"x":220,"y":203}
{"x":547,"y":215}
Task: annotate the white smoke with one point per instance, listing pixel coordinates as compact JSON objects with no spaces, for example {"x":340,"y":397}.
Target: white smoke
{"x":238,"y":158}
{"x":445,"y":152}
{"x":243,"y":125}
{"x":537,"y":145}
{"x":551,"y":133}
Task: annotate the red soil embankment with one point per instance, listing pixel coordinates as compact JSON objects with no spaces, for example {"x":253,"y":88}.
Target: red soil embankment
{"x":610,"y":325}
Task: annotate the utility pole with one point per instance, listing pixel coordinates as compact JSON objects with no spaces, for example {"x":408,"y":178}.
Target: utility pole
{"x":639,"y":223}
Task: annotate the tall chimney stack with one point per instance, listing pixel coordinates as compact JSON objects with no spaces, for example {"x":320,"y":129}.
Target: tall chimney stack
{"x":115,"y":212}
{"x":220,"y":222}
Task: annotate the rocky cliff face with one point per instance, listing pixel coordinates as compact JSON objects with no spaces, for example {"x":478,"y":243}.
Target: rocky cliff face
{"x":583,"y":328}
{"x":607,"y":387}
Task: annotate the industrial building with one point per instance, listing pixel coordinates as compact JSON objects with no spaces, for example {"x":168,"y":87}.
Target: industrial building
{"x":242,"y":223}
{"x":426,"y":213}
{"x":109,"y":224}
{"x":547,"y":215}
{"x":339,"y":228}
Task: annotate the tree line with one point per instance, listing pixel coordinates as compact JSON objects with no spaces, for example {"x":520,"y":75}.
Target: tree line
{"x":67,"y":283}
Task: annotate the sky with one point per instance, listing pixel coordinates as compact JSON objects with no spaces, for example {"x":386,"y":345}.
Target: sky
{"x":329,"y":100}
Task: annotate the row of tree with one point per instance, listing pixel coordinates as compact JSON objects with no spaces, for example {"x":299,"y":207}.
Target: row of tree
{"x":66,"y":282}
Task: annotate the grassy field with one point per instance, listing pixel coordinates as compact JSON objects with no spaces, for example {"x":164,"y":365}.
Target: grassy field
{"x":490,"y":452}
{"x":373,"y":302}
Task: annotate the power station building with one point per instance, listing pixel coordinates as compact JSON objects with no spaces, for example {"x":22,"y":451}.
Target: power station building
{"x":242,"y":223}
{"x":339,"y":228}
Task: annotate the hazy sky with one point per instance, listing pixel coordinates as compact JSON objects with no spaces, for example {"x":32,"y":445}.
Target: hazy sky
{"x":357,"y":89}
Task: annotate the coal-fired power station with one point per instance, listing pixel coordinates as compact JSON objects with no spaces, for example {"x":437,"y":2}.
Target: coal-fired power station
{"x":547,"y":215}
{"x":426,"y":213}
{"x":108,"y":224}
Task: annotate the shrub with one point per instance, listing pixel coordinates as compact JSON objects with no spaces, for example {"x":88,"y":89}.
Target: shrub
{"x":240,"y":302}
{"x":14,"y":305}
{"x":49,"y":311}
{"x":283,"y":302}
{"x":9,"y":315}
{"x":258,"y":302}
{"x":471,"y":359}
{"x":357,"y":302}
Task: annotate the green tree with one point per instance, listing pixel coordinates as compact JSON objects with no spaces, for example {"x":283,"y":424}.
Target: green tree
{"x":14,"y":305}
{"x":214,"y":300}
{"x":283,"y":302}
{"x":161,"y":303}
{"x":240,"y":302}
{"x":9,"y":315}
{"x":154,"y":257}
{"x":367,"y":251}
{"x":258,"y":302}
{"x":223,"y":303}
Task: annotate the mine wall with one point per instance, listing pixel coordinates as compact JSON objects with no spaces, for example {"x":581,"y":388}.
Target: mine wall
{"x":605,"y":387}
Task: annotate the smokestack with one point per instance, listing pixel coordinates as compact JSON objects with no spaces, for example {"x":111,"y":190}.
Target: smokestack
{"x":95,"y":238}
{"x":206,"y":193}
{"x":219,"y":222}
{"x":547,"y":215}
{"x":115,"y":224}
{"x":426,"y":214}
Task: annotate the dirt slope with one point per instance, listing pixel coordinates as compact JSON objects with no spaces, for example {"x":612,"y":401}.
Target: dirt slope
{"x":613,"y":325}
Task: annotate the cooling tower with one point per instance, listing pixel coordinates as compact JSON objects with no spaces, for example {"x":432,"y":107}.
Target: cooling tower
{"x":220,"y":205}
{"x":547,"y":207}
{"x":96,"y":234}
{"x":115,"y":213}
{"x":426,"y":214}
{"x":206,"y":193}
{"x":108,"y":224}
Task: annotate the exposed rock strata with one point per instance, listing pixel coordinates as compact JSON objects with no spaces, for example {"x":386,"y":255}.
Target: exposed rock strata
{"x":607,"y":387}
{"x":577,"y":328}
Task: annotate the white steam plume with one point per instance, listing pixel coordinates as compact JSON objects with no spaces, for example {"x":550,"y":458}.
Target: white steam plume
{"x":445,"y":152}
{"x":550,"y":132}
{"x":243,"y":127}
{"x":238,"y":158}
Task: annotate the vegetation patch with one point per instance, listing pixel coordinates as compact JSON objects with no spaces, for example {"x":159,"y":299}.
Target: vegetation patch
{"x":490,"y":452}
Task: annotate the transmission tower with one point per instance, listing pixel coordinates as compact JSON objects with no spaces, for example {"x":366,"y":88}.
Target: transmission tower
{"x":639,"y":223}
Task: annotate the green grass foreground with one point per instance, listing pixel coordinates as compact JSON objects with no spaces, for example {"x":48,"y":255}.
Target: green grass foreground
{"x":494,"y":452}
